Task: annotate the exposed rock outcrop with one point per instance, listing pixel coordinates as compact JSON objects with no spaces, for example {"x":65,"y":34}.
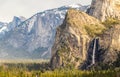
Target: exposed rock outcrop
{"x":106,"y":49}
{"x":73,"y":38}
{"x":109,"y":43}
{"x":84,"y":41}
{"x":104,"y":9}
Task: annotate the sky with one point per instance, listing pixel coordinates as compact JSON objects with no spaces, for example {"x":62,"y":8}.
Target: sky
{"x":27,"y":8}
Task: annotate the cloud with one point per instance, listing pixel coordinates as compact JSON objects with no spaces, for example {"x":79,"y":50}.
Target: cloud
{"x":10,"y":8}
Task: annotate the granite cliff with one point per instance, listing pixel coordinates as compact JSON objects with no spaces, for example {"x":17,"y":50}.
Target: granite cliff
{"x":104,"y":9}
{"x":73,"y":38}
{"x":83,"y":40}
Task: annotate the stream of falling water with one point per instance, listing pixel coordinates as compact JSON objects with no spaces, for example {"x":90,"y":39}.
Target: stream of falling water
{"x":93,"y":55}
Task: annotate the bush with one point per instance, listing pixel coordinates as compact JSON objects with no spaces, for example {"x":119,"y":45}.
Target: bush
{"x":94,"y":30}
{"x":110,"y":22}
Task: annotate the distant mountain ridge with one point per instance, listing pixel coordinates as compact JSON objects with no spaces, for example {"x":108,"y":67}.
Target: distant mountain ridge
{"x":5,"y":27}
{"x":33,"y":37}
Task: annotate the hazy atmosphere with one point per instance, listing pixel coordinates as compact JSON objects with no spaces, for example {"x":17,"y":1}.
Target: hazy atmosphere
{"x":59,"y":38}
{"x":27,"y":8}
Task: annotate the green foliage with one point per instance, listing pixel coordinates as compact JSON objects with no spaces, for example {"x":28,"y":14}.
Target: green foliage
{"x":78,"y":73}
{"x":19,"y":70}
{"x":110,"y":22}
{"x":63,"y":49}
{"x":94,"y":30}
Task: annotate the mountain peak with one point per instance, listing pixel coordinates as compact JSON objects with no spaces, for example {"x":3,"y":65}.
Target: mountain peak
{"x":21,"y":18}
{"x":15,"y":22}
{"x":75,"y":5}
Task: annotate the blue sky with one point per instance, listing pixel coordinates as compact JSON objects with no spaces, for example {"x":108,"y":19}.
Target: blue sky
{"x":27,"y":8}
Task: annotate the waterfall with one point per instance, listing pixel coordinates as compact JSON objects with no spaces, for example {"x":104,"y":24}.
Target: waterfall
{"x":93,"y":55}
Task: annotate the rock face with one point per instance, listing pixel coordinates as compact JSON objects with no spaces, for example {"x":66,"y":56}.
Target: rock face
{"x":104,"y":9}
{"x":82,"y":42}
{"x":107,"y":49}
{"x":109,"y":43}
{"x":73,"y":38}
{"x":6,"y":27}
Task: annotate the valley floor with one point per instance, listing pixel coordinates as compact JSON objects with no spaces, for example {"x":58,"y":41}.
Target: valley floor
{"x":42,"y":70}
{"x":58,"y":73}
{"x":23,"y":61}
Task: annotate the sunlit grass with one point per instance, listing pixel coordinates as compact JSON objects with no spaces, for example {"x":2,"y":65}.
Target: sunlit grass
{"x":38,"y":70}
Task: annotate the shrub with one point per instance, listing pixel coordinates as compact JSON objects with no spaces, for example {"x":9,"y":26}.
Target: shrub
{"x":110,"y":22}
{"x":94,"y":30}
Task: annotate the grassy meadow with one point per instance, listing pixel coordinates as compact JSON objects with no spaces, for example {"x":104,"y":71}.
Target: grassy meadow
{"x":36,"y":68}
